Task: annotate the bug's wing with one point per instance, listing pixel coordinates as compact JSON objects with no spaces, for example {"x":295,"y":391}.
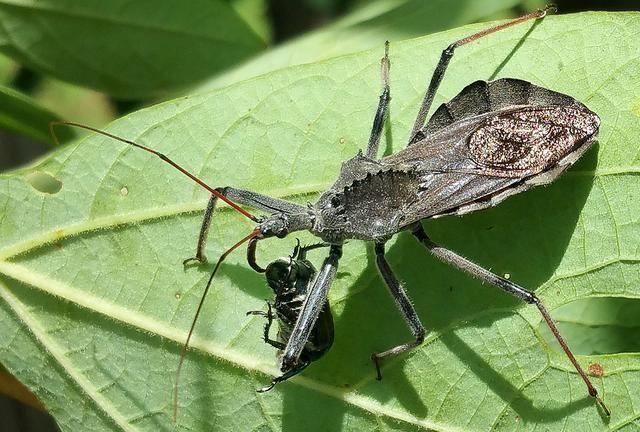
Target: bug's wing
{"x":482,"y":97}
{"x":478,"y":161}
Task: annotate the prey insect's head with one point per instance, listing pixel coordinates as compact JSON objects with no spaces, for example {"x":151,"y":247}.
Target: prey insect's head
{"x":289,"y":275}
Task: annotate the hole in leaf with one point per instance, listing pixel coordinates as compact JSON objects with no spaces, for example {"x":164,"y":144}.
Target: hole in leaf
{"x":606,"y":325}
{"x":43,"y":182}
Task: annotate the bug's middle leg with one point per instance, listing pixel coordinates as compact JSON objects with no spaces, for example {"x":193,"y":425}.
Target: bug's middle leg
{"x":313,"y":304}
{"x":405,"y":306}
{"x":383,"y":106}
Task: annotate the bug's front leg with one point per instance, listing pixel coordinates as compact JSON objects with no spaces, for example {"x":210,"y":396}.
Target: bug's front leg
{"x":244,"y":197}
{"x":406,"y":308}
{"x":204,"y":233}
{"x":300,"y":366}
{"x":311,"y":308}
{"x":511,"y":288}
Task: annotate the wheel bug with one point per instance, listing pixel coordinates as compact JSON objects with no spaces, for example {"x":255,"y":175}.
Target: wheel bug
{"x":493,"y":140}
{"x":290,"y":279}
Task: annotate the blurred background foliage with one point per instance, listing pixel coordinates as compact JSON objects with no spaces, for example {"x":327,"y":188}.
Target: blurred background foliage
{"x":145,"y":52}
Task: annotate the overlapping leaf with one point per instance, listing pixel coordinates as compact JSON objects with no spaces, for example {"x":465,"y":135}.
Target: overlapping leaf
{"x":24,"y":115}
{"x":127,"y":49}
{"x":368,"y":26}
{"x":95,"y":303}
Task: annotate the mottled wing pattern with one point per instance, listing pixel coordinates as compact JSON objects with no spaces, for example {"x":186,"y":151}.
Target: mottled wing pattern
{"x":529,"y":140}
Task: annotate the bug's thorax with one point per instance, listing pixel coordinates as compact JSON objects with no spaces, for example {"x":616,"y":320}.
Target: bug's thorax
{"x":363,"y":201}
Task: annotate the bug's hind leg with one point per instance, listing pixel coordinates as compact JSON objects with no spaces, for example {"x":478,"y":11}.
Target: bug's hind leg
{"x":405,"y":306}
{"x":445,"y":57}
{"x":511,"y":288}
{"x":383,"y":106}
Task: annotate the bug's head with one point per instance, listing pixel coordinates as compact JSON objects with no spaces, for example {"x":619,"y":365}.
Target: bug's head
{"x":281,"y":224}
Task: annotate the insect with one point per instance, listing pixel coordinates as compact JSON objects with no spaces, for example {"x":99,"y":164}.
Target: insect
{"x":290,"y":279}
{"x":493,"y":140}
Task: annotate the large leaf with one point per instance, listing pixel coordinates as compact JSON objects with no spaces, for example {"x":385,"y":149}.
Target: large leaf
{"x":127,"y":49}
{"x":369,"y":26}
{"x":96,"y":303}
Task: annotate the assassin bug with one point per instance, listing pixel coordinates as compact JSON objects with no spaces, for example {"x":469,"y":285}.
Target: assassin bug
{"x":491,"y":141}
{"x":290,"y":279}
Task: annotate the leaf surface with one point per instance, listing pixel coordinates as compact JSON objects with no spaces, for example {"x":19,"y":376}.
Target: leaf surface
{"x":95,"y":302}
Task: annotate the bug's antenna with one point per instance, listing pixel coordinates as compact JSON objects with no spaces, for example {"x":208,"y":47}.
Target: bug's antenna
{"x":183,"y":352}
{"x":166,"y":159}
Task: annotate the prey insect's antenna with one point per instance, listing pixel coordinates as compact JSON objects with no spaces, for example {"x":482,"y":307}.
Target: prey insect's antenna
{"x":160,"y":155}
{"x":183,"y":352}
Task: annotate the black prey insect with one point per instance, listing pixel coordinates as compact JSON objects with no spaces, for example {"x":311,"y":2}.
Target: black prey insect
{"x":491,"y":141}
{"x":290,"y":279}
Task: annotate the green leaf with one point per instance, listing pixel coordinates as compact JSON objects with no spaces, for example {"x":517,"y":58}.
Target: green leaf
{"x":367,"y":27}
{"x":23,"y":115}
{"x":599,"y":325}
{"x":127,"y":49}
{"x":96,"y":305}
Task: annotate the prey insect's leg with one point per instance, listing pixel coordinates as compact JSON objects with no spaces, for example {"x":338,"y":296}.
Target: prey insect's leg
{"x":405,"y":306}
{"x":383,"y":105}
{"x":311,"y":308}
{"x":302,"y":250}
{"x":269,"y":316}
{"x":244,"y":197}
{"x":446,"y":56}
{"x":511,"y":288}
{"x":295,"y":371}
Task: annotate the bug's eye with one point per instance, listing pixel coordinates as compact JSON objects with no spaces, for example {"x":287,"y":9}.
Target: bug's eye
{"x":335,"y":201}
